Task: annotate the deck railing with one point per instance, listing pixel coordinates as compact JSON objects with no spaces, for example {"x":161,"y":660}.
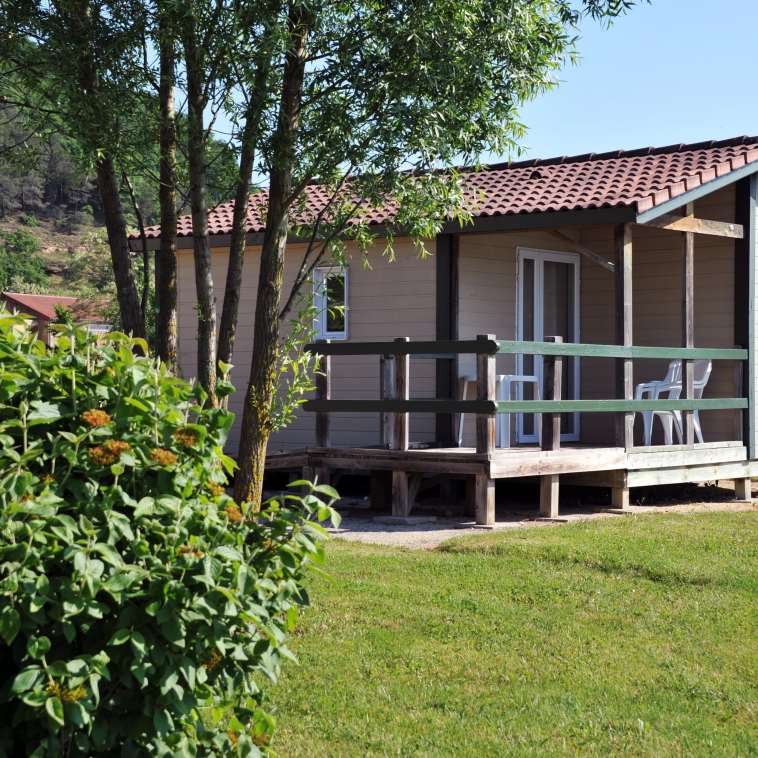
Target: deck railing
{"x":397,"y":401}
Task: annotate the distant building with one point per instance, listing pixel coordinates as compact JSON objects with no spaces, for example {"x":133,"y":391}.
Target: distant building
{"x":41,"y":309}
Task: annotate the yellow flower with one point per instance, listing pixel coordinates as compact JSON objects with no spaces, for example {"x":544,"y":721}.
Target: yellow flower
{"x":109,"y":452}
{"x":164,"y":457}
{"x":186,"y":437}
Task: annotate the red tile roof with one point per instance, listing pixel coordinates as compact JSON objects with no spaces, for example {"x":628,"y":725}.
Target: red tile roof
{"x":645,"y":178}
{"x":43,"y":306}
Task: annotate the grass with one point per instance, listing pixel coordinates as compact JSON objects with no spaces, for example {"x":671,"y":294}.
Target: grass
{"x":633,"y":636}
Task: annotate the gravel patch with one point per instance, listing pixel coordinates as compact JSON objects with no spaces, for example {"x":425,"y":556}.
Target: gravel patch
{"x":359,"y":527}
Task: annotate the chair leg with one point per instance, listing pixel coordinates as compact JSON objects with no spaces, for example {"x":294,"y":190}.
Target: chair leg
{"x":698,"y":430}
{"x":462,"y":392}
{"x":677,"y":422}
{"x":647,"y":422}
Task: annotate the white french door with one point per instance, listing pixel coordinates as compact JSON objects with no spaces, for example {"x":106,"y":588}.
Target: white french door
{"x":547,"y":305}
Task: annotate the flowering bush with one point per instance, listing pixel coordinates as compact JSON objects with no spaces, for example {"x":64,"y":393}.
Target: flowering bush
{"x":134,"y":593}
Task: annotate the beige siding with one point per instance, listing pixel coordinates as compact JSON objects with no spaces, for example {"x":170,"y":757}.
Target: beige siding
{"x":487,"y":270}
{"x":388,"y":300}
{"x":657,"y":314}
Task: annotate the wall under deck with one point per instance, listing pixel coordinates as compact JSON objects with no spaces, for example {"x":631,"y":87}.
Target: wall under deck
{"x":391,"y":299}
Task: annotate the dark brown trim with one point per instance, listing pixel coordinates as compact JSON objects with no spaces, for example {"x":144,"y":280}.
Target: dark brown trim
{"x":445,"y":329}
{"x":744,"y":299}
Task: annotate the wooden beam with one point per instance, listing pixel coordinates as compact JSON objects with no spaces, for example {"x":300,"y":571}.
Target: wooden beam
{"x":485,"y":432}
{"x":688,"y":324}
{"x":697,"y":226}
{"x":413,"y":488}
{"x":433,"y":481}
{"x":549,"y":494}
{"x":446,"y":314}
{"x":582,"y":250}
{"x":624,"y":378}
{"x":551,"y":387}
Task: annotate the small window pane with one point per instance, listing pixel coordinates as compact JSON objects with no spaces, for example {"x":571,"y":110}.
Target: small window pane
{"x":334,"y":287}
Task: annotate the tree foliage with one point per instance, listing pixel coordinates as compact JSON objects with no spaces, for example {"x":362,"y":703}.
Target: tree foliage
{"x":20,"y":261}
{"x":134,"y":593}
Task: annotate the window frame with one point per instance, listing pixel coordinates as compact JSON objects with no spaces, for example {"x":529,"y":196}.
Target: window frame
{"x":319,"y":301}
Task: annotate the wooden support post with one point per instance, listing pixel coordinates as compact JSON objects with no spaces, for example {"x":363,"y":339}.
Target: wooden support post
{"x":688,"y":326}
{"x":485,"y":433}
{"x":323,"y":381}
{"x":742,"y":489}
{"x":385,"y":393}
{"x":323,"y":392}
{"x":624,"y":377}
{"x":400,"y":433}
{"x":744,"y":300}
{"x":549,"y":494}
{"x":620,"y":498}
{"x":552,"y":378}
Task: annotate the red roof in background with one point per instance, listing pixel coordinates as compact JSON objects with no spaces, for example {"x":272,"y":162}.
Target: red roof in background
{"x":645,"y":178}
{"x":43,"y":306}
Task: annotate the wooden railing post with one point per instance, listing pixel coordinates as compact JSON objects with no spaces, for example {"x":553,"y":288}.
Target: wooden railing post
{"x":400,"y":438}
{"x":385,"y":393}
{"x":323,"y":382}
{"x":688,"y":326}
{"x":380,"y":486}
{"x":552,"y":380}
{"x":738,"y":393}
{"x":485,"y":433}
{"x":624,"y":376}
{"x":323,"y":392}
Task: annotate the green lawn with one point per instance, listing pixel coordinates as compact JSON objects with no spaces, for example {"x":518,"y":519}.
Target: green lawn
{"x":617,"y":637}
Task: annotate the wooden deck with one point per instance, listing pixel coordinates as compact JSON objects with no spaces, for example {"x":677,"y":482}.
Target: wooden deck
{"x":577,"y":461}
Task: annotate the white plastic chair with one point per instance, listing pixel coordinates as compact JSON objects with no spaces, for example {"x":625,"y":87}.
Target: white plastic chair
{"x":503,"y":392}
{"x":671,"y":385}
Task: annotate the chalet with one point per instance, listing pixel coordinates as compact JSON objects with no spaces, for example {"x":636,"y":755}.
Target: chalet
{"x":41,"y":310}
{"x":595,"y":324}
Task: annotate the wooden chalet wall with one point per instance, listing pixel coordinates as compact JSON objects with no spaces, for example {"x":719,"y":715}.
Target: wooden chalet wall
{"x":391,"y":299}
{"x":656,"y":313}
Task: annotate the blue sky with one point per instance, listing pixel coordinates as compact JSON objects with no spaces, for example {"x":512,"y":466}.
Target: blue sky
{"x":669,"y":72}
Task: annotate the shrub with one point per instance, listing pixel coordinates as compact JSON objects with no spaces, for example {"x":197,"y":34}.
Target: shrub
{"x":20,"y":260}
{"x":133,"y":591}
{"x":28,"y":219}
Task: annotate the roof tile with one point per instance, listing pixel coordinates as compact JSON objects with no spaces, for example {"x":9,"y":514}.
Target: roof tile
{"x":646,"y":177}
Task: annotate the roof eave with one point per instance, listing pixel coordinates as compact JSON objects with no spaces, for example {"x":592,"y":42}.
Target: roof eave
{"x":695,"y":194}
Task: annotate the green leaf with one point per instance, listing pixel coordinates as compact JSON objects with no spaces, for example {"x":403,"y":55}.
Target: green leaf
{"x":109,"y":553}
{"x":145,"y":507}
{"x":162,"y":722}
{"x":10,"y":623}
{"x":120,"y":637}
{"x":38,"y":647}
{"x":27,"y":679}
{"x":54,"y":709}
{"x":44,"y":413}
{"x":229,"y":552}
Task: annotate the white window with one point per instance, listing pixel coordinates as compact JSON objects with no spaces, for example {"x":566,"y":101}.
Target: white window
{"x":330,"y":301}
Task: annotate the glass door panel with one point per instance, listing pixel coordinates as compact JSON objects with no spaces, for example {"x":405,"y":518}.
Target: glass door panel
{"x":548,"y":305}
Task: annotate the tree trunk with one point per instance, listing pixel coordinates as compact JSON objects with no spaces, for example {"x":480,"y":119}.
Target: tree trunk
{"x":166,"y":333}
{"x":206,"y":299}
{"x":228,"y":329}
{"x":115,"y":224}
{"x":259,"y":400}
{"x":145,"y":253}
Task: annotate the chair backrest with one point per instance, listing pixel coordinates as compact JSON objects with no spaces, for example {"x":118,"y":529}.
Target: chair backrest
{"x":702,"y":375}
{"x":674,"y":374}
